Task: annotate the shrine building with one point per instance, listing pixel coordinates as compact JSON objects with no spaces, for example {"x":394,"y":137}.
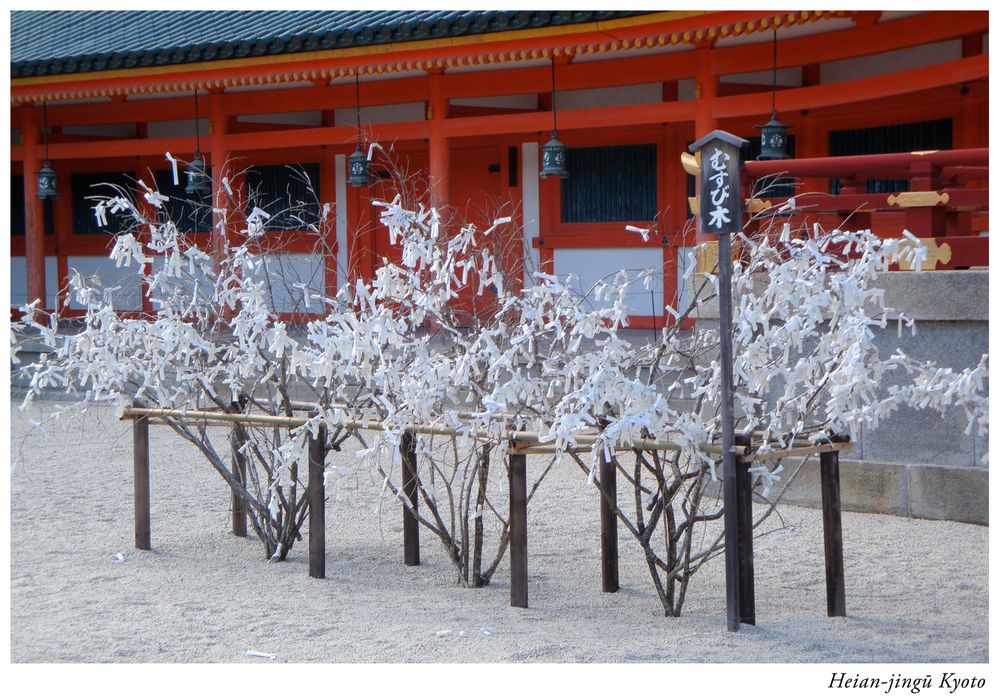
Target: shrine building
{"x":465,"y":103}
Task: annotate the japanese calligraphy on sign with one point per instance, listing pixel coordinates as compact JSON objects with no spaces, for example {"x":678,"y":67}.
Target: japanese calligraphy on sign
{"x":720,"y":208}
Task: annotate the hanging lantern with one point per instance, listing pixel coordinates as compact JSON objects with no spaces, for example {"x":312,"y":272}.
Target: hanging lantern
{"x":554,"y":152}
{"x":554,"y":159}
{"x":198,"y":181}
{"x":358,"y":168}
{"x":46,"y":175}
{"x":197,"y":174}
{"x":773,"y":140}
{"x":774,"y":133}
{"x":47,"y":181}
{"x":358,"y":172}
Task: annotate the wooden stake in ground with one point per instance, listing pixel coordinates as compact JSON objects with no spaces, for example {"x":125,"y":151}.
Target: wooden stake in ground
{"x":411,"y":526}
{"x":609,"y":524}
{"x":518,"y":531}
{"x":833,"y":539}
{"x":317,"y":504}
{"x":140,"y":481}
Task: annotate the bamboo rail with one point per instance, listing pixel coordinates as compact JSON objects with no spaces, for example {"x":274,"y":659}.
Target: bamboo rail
{"x":526,"y":442}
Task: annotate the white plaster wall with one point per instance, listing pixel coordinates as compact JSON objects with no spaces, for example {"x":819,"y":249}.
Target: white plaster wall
{"x":592,"y":265}
{"x":389,"y":113}
{"x":890,"y":61}
{"x":283,"y":272}
{"x":19,"y":281}
{"x":123,"y":282}
{"x":686,"y":262}
{"x":340,"y":210}
{"x":177,"y":129}
{"x":786,"y":77}
{"x":685,"y":90}
{"x":646,"y":93}
{"x":291,"y":118}
{"x":529,"y":208}
{"x":104,"y":130}
{"x":527,"y":101}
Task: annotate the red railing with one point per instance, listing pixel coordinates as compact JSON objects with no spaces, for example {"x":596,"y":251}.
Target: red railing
{"x":948,"y":197}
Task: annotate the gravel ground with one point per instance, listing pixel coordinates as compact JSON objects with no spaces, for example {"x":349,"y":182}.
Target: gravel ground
{"x":916,"y":590}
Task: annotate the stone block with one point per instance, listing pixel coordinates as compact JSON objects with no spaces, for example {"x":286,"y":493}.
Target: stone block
{"x":949,"y":493}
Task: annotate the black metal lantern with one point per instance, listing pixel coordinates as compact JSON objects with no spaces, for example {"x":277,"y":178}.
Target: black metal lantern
{"x":774,"y":133}
{"x":554,"y":152}
{"x":773,"y":140}
{"x":197,"y":174}
{"x":46,"y":175}
{"x":554,"y":159}
{"x":358,"y":166}
{"x":198,"y":181}
{"x":47,"y":181}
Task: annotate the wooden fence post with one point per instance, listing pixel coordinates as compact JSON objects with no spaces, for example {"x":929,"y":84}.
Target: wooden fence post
{"x":518,"y":519}
{"x":833,"y":540}
{"x":317,"y":504}
{"x":609,"y":524}
{"x":239,"y":467}
{"x":411,"y":527}
{"x":140,"y":481}
{"x":744,"y":505}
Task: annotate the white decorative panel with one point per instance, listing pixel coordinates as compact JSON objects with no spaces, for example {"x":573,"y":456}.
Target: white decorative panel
{"x":593,"y":265}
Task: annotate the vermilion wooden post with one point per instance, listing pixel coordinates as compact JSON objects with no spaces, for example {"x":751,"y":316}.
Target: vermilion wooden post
{"x":439,"y":156}
{"x":411,"y":527}
{"x":317,"y":504}
{"x":744,"y":501}
{"x":518,"y":520}
{"x":34,"y":224}
{"x":609,"y":524}
{"x":140,"y":481}
{"x":833,"y":540}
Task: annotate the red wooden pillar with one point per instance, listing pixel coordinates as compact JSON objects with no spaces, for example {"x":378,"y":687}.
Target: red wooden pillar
{"x":706,"y":88}
{"x":219,"y":157}
{"x":34,"y":227}
{"x":437,"y":108}
{"x":926,"y":221}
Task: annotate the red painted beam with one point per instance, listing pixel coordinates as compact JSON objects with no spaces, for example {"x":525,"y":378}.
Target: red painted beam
{"x":598,"y":117}
{"x":852,"y":91}
{"x":872,"y":166}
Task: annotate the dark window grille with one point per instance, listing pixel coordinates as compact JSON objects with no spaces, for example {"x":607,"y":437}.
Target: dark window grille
{"x":903,"y":137}
{"x":190,"y":212}
{"x":90,"y":186}
{"x":610,"y":184}
{"x":17,"y":209}
{"x":289,"y":193}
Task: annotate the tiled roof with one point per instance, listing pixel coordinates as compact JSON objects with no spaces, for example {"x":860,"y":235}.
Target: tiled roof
{"x":59,"y":42}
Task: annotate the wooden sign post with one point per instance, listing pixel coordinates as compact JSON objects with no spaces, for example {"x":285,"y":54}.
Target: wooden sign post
{"x":720,"y":213}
